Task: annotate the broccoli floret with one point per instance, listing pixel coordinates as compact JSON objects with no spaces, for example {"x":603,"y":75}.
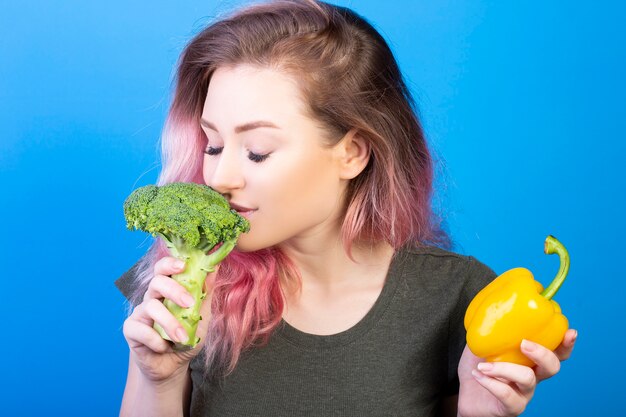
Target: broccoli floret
{"x":198,"y":226}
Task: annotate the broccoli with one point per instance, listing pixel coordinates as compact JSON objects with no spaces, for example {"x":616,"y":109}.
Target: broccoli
{"x":198,"y":226}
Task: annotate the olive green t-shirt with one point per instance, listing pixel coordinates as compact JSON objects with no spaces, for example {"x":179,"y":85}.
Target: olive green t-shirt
{"x":400,"y":360}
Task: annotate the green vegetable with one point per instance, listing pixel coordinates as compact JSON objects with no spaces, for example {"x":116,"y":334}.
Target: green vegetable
{"x":198,"y":226}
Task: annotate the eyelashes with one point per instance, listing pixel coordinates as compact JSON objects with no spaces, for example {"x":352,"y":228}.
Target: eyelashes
{"x":210,"y":150}
{"x":254,"y":157}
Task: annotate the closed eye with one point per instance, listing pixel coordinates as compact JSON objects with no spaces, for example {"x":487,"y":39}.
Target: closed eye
{"x":255,"y":157}
{"x":210,"y":150}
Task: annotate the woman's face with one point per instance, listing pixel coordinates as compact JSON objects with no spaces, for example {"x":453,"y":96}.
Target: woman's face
{"x":269,"y":159}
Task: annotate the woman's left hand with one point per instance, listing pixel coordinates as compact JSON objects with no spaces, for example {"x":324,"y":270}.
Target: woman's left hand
{"x":504,"y":389}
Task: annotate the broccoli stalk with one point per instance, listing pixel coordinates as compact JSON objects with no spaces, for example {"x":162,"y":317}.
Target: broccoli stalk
{"x":197,"y":265}
{"x":198,"y":226}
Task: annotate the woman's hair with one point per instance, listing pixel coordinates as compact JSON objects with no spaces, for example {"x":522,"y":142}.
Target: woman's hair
{"x":349,"y":79}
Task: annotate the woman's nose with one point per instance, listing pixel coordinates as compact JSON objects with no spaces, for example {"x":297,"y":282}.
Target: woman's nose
{"x":227,"y":175}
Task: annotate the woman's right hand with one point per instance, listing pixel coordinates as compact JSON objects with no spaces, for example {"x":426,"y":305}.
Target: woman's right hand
{"x":154,"y":356}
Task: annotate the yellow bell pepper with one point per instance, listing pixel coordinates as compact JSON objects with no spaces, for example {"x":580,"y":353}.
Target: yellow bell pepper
{"x":515,"y":307}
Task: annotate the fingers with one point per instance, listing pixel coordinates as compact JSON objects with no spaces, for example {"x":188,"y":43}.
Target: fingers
{"x":150,"y":319}
{"x":154,"y":311}
{"x":512,"y":401}
{"x":548,"y":364}
{"x":139,"y":331}
{"x":514,"y":385}
{"x":169,"y":265}
{"x":139,"y":334}
{"x":564,"y":351}
{"x":522,"y":376}
{"x":163,"y":286}
{"x":138,"y":328}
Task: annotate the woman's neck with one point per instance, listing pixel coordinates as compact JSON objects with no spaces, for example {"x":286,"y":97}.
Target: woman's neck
{"x":326,"y":263}
{"x":335,"y":291}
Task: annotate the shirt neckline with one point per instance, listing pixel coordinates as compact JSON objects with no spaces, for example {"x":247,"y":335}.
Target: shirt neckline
{"x":314,"y":341}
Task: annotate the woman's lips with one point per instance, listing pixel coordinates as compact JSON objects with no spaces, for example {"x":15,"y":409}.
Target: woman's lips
{"x":242,"y":210}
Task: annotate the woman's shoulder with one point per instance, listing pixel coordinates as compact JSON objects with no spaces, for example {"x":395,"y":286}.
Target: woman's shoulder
{"x":436,"y":256}
{"x":440,"y":267}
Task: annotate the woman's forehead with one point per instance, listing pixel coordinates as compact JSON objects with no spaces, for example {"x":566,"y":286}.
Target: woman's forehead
{"x":248,"y":93}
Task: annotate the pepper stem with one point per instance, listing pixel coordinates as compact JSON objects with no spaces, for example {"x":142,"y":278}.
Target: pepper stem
{"x":554,"y":246}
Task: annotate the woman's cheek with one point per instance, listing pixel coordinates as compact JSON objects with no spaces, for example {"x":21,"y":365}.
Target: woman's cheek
{"x":207,"y":170}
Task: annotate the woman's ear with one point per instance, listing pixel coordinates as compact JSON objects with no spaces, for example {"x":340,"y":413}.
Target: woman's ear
{"x":354,"y":154}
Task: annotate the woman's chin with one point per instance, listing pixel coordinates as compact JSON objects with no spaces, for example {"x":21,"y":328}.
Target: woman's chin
{"x":247,"y":243}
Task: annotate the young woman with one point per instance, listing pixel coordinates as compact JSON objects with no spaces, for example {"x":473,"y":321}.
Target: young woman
{"x":341,"y":299}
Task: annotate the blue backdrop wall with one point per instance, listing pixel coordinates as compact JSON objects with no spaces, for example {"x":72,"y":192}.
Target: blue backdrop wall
{"x":523,"y":104}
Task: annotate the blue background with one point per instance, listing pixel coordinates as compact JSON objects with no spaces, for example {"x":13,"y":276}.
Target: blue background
{"x":523,"y":104}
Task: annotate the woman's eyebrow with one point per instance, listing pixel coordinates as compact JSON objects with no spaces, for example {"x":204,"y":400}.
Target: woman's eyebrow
{"x":242,"y":128}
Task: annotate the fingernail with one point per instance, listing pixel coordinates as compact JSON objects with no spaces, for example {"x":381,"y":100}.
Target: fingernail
{"x":477,"y":374}
{"x":188,"y":300}
{"x":179,"y":264}
{"x":485,"y":366}
{"x":528,"y":346}
{"x":575,"y":336}
{"x":181,"y":335}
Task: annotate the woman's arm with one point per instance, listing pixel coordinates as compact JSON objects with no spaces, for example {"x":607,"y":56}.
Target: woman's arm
{"x":143,"y":397}
{"x":158,"y":382}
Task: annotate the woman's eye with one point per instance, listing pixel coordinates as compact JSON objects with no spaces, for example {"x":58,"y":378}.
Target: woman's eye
{"x":255,"y":157}
{"x":210,"y":150}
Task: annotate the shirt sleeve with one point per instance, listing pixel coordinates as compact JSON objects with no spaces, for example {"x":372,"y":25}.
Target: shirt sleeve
{"x":477,"y":277}
{"x":126,"y":282}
